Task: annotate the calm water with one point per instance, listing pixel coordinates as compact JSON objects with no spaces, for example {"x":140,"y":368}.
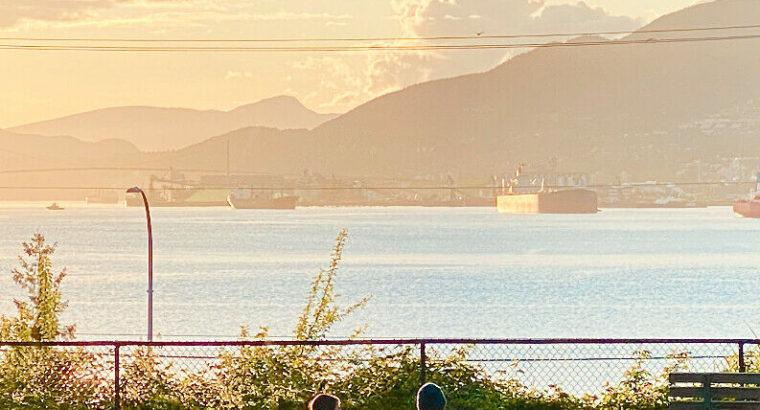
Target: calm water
{"x":431,"y":272}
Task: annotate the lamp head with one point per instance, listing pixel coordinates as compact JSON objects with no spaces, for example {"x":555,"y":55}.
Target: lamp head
{"x":134,"y":190}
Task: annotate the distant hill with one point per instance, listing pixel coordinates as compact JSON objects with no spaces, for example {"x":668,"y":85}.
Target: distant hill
{"x":155,"y":129}
{"x":590,"y":107}
{"x":25,"y":151}
{"x":254,"y":149}
{"x":74,"y":160}
{"x":605,"y":110}
{"x":638,"y":109}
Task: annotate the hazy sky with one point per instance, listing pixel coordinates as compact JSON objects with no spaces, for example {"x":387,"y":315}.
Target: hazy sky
{"x":45,"y":84}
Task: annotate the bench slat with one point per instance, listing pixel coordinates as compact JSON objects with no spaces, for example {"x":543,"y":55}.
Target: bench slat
{"x":678,"y":391}
{"x":742,"y":393}
{"x":715,"y":385}
{"x":737,"y":405}
{"x":687,"y":405}
{"x":739,"y":393}
{"x":687,"y":377}
{"x":725,"y":405}
{"x":738,"y":378}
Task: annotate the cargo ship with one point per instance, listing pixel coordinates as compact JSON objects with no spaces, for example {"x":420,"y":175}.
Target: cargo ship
{"x":236,"y":200}
{"x":748,"y":208}
{"x":567,"y":201}
{"x":523,"y":196}
{"x":176,"y":191}
{"x":103,"y":197}
{"x":207,"y":198}
{"x":744,"y":208}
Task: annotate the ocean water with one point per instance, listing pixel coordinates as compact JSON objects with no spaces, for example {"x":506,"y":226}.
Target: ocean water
{"x":447,"y":272}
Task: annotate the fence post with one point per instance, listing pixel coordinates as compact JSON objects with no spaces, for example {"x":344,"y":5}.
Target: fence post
{"x":742,"y":365}
{"x":116,"y":381}
{"x":423,"y":363}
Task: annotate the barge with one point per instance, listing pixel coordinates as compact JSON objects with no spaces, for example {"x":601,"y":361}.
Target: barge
{"x":568,"y":201}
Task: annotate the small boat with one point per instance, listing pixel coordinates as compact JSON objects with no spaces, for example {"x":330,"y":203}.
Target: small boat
{"x":54,"y":207}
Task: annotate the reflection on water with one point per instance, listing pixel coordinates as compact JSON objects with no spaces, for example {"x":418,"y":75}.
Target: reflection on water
{"x":432,"y":272}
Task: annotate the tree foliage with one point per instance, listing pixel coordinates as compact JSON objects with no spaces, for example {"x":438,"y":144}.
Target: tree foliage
{"x":376,"y":377}
{"x":38,"y":317}
{"x":321,"y":311}
{"x":44,"y":377}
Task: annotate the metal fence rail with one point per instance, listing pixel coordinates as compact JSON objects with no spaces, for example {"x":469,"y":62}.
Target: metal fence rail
{"x":104,"y":373}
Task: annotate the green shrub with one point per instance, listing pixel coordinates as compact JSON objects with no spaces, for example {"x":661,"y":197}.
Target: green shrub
{"x":375,"y":377}
{"x":45,"y":377}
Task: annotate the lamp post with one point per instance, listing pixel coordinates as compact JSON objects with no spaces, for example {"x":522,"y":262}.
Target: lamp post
{"x":135,"y":190}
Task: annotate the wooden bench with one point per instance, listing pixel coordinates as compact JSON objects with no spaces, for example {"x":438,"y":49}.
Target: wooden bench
{"x":689,"y":391}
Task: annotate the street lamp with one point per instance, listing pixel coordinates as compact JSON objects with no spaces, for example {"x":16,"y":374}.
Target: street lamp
{"x":135,"y":190}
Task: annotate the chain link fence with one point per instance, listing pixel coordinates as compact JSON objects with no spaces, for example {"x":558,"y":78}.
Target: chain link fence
{"x":213,"y":374}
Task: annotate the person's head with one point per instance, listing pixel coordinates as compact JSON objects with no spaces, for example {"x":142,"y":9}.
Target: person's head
{"x":324,"y":402}
{"x":430,"y":397}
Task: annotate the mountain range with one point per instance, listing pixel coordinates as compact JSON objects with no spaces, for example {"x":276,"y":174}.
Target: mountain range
{"x":596,"y":109}
{"x":160,"y":129}
{"x":604,"y":110}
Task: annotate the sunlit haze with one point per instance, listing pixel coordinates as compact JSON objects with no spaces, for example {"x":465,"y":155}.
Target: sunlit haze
{"x":379,"y":204}
{"x":42,"y":85}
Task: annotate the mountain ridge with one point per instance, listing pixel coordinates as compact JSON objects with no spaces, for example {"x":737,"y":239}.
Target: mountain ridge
{"x":165,"y":128}
{"x":553,"y":102}
{"x":602,"y":110}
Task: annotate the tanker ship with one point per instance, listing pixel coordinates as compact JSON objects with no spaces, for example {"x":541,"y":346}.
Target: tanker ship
{"x":567,"y":201}
{"x":749,"y":208}
{"x":522,"y":197}
{"x":246,"y":199}
{"x":176,"y":191}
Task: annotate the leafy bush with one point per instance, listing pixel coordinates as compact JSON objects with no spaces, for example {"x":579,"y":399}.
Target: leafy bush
{"x":45,"y":376}
{"x":265,"y":377}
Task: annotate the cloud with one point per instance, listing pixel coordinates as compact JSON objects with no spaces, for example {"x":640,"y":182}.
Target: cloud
{"x":99,"y":13}
{"x":15,"y":11}
{"x":231,"y":75}
{"x":581,"y":17}
{"x":338,"y":83}
{"x":291,"y":16}
{"x":387,"y":71}
{"x":426,"y":18}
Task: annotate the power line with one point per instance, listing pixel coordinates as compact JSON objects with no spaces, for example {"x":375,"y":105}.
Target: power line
{"x":382,"y":188}
{"x":372,"y":39}
{"x":124,"y":169}
{"x":446,"y":47}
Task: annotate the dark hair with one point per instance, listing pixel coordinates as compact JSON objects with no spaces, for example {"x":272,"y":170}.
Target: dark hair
{"x":430,"y":397}
{"x":324,"y":402}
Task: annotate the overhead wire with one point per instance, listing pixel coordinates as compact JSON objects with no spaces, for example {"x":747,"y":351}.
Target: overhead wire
{"x":372,"y":39}
{"x":379,"y":187}
{"x":362,"y":48}
{"x":124,"y":169}
{"x":447,"y":47}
